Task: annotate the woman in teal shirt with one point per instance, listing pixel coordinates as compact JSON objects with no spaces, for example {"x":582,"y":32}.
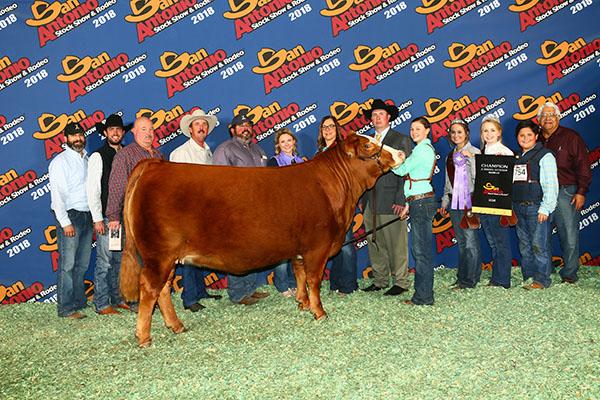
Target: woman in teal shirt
{"x":417,"y":170}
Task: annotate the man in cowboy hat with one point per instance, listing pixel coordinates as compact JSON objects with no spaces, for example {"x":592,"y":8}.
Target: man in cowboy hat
{"x":240,"y":151}
{"x":197,"y":126}
{"x":67,"y":176}
{"x":107,"y":295}
{"x":390,"y":256}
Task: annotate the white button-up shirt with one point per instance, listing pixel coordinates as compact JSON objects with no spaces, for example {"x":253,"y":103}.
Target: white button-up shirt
{"x":190,"y":152}
{"x":67,"y":174}
{"x":93,"y":186}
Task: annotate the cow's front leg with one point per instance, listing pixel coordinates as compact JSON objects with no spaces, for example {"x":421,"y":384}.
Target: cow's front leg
{"x":300,"y":274}
{"x":166,"y":307}
{"x":315,"y":265}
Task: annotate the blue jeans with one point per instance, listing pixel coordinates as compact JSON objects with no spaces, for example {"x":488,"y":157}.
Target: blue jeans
{"x":283,"y":277}
{"x":421,"y":218}
{"x":73,"y":262}
{"x":499,"y":241}
{"x":536,"y":262}
{"x":469,"y":252}
{"x":342,"y":275}
{"x":194,"y":288}
{"x":566,"y":218}
{"x":239,"y":287}
{"x":106,"y":274}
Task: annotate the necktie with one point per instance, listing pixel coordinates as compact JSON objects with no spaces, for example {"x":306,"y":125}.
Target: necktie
{"x":378,"y":137}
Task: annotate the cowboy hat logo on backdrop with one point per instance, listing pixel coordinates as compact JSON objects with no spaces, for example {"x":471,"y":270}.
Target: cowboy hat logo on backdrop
{"x":532,"y":12}
{"x":441,"y":113}
{"x":154,"y":16}
{"x":439,"y":13}
{"x":11,"y":72}
{"x":282,"y":66}
{"x":474,"y":60}
{"x":378,"y":63}
{"x":250,"y":15}
{"x":563,"y":58}
{"x":529,"y":105}
{"x":182,"y":71}
{"x":86,"y":74}
{"x":55,"y":19}
{"x":52,"y":126}
{"x":346,"y":14}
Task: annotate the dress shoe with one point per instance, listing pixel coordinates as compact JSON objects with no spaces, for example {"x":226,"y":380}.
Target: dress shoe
{"x":214,"y":296}
{"x":534,"y":285}
{"x":195,"y":307}
{"x":494,"y":284}
{"x":569,"y":280}
{"x":259,"y":295}
{"x":395,"y":291}
{"x":108,"y":310}
{"x":248,"y":301}
{"x":372,"y":288}
{"x":76,"y":315}
{"x":123,"y":306}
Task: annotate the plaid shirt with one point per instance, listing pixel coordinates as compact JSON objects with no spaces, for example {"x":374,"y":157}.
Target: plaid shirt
{"x":124,"y":162}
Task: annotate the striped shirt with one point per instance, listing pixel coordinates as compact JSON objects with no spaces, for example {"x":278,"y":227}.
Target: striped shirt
{"x":124,"y":162}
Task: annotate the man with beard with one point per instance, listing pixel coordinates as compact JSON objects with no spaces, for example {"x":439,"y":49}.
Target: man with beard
{"x":107,"y":295}
{"x":574,"y":179}
{"x":240,"y":151}
{"x":196,"y":126}
{"x":67,"y":175}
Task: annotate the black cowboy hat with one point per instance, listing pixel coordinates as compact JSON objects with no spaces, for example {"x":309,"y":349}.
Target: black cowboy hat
{"x":379,"y":104}
{"x":112,"y":120}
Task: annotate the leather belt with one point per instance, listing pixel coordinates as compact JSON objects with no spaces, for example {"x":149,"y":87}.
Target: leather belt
{"x":420,"y":196}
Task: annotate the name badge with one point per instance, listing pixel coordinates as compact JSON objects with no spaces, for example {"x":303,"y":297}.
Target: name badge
{"x":520,"y":173}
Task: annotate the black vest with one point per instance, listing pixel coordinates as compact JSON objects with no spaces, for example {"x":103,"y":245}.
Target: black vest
{"x":107,"y":154}
{"x":530,"y":190}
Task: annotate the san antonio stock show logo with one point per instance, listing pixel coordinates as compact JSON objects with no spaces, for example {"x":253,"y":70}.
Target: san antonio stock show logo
{"x":282,"y":66}
{"x":532,"y":12}
{"x":249,"y":15}
{"x":529,"y":105}
{"x":563,"y":58}
{"x":473,"y":60}
{"x":378,"y":63}
{"x":83,"y":75}
{"x":182,"y":71}
{"x":55,"y":19}
{"x":439,"y":13}
{"x":154,"y":16}
{"x":346,"y":14}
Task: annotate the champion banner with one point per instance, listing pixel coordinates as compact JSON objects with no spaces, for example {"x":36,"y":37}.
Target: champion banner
{"x":289,"y":63}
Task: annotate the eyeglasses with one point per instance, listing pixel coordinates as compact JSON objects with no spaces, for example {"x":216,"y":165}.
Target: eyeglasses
{"x":332,"y":126}
{"x":548,"y":115}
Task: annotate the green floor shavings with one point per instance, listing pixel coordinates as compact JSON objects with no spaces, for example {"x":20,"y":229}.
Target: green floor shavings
{"x":485,"y":343}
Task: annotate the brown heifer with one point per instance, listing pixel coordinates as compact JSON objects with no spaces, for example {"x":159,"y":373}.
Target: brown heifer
{"x":237,"y":220}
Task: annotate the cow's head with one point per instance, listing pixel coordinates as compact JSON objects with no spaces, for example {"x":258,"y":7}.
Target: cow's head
{"x":376,"y":158}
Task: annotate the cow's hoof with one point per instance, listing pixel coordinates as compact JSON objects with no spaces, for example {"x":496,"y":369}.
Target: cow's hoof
{"x":179,"y":329}
{"x":322,"y":317}
{"x":303,"y":307}
{"x":144,"y":344}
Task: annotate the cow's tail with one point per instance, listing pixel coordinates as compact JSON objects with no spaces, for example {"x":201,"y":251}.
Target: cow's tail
{"x":131,"y":263}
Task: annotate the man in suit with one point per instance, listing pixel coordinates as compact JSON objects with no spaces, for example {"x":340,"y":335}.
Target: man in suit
{"x":390,"y":257}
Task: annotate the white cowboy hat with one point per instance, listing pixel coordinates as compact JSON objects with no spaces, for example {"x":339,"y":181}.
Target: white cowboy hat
{"x":187,"y":119}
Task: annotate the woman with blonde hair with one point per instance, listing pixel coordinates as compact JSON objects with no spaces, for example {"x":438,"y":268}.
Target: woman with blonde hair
{"x":286,"y":153}
{"x":496,"y":234}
